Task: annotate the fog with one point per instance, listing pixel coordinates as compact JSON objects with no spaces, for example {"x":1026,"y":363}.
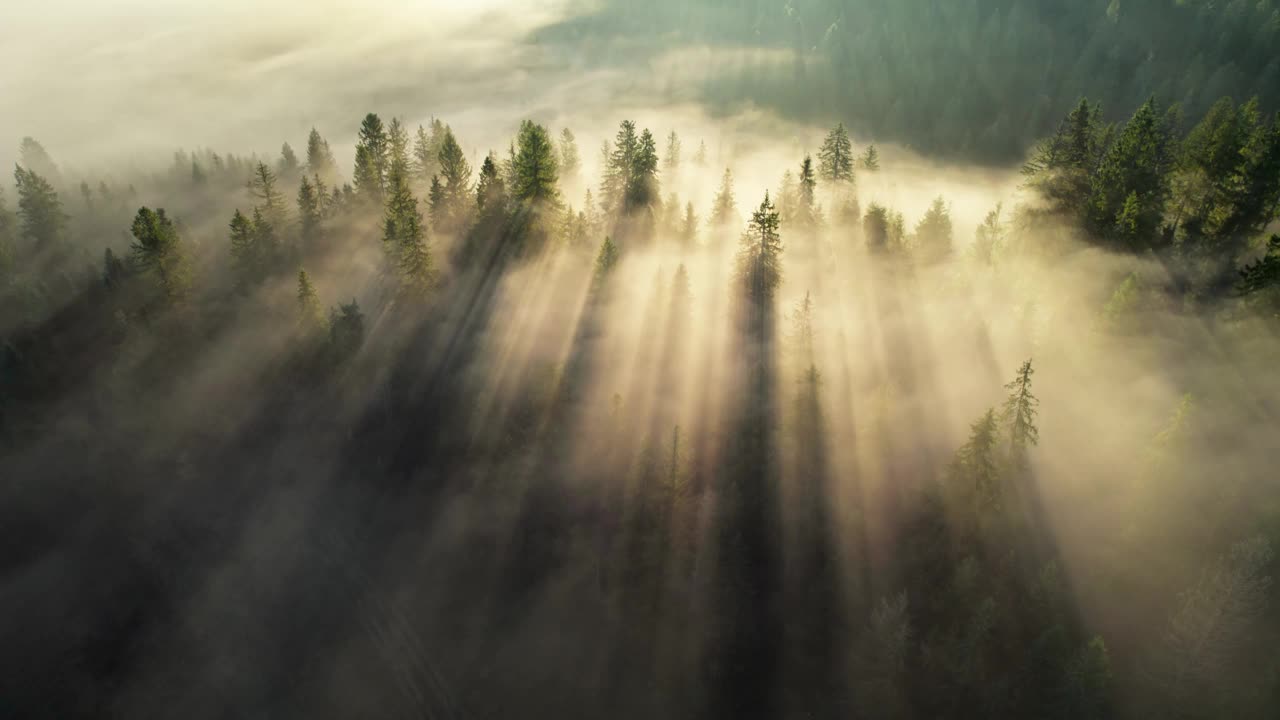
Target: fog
{"x":607,"y":464}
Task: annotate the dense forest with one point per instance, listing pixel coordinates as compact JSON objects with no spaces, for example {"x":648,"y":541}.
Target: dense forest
{"x":974,"y":79}
{"x":619,"y":426}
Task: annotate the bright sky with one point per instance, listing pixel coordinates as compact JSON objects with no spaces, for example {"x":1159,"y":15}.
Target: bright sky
{"x":89,"y":77}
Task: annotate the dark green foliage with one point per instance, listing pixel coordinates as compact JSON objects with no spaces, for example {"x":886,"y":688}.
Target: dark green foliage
{"x":43,"y":222}
{"x":311,"y":318}
{"x":369,"y":175}
{"x":1131,"y":185}
{"x":346,"y":330}
{"x":870,"y":159}
{"x":157,"y":250}
{"x":404,"y":236}
{"x":836,"y":156}
{"x":759,"y":268}
{"x":491,"y":194}
{"x":1019,"y":411}
{"x":310,"y":213}
{"x":451,"y":204}
{"x":535,"y":168}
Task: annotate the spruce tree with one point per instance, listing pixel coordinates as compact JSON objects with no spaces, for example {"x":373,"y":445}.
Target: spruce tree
{"x":536,"y":168}
{"x":807,"y":214}
{"x":455,"y":174}
{"x":310,"y":212}
{"x":372,"y":148}
{"x":1019,"y":412}
{"x":871,"y":159}
{"x":288,"y":167}
{"x":836,"y":156}
{"x":974,"y":474}
{"x":320,"y":162}
{"x":1138,"y":164}
{"x":642,"y":187}
{"x":491,"y":195}
{"x":397,"y":149}
{"x":267,"y":198}
{"x":158,"y":250}
{"x":310,"y":314}
{"x":43,"y":223}
{"x":244,"y":259}
{"x":689,"y":228}
{"x":8,"y":241}
{"x":760,"y":254}
{"x":724,"y":209}
{"x":405,"y":238}
{"x":35,"y":158}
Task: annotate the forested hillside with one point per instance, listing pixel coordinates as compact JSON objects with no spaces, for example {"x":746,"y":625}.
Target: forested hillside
{"x":973,"y":79}
{"x":402,"y":435}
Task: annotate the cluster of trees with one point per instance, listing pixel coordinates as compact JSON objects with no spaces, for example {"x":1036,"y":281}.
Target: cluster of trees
{"x":980,"y":80}
{"x":970,"y":614}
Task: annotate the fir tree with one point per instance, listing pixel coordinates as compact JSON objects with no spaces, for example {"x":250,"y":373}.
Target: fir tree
{"x":724,"y":209}
{"x":320,"y":162}
{"x":536,"y":171}
{"x":1137,"y":164}
{"x":397,"y":149}
{"x":870,"y":159}
{"x":760,"y":254}
{"x":490,"y":192}
{"x":310,"y":212}
{"x":288,"y":166}
{"x":836,"y":156}
{"x":267,"y":199}
{"x":43,"y":223}
{"x":404,"y":237}
{"x":455,"y":174}
{"x":700,"y":158}
{"x":310,"y":315}
{"x":157,"y":250}
{"x":36,"y":159}
{"x":372,"y":148}
{"x":606,"y":260}
{"x":689,"y":228}
{"x":1019,"y":412}
{"x":974,"y":472}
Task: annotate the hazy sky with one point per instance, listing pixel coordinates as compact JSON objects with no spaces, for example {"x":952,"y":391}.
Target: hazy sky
{"x":90,"y":78}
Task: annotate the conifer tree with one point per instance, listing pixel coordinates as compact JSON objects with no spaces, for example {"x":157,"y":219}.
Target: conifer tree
{"x":836,"y":156}
{"x":244,"y":260}
{"x":1019,"y":412}
{"x":310,"y":315}
{"x":43,"y":223}
{"x":320,"y":161}
{"x":267,"y":199}
{"x":404,"y":237}
{"x":875,"y":228}
{"x":372,"y":148}
{"x":619,"y":164}
{"x":700,"y":158}
{"x":934,"y":234}
{"x":310,"y":212}
{"x":346,"y":329}
{"x":536,"y":168}
{"x":288,"y":167}
{"x":606,"y":260}
{"x":1137,"y":164}
{"x":455,"y":174}
{"x":8,"y":240}
{"x":807,"y":214}
{"x":974,"y":472}
{"x":989,"y":236}
{"x":266,"y":244}
{"x":570,"y":162}
{"x":871,"y":159}
{"x":157,"y":250}
{"x":642,"y":186}
{"x":397,"y":149}
{"x":491,"y":194}
{"x":724,"y":209}
{"x":760,"y":254}
{"x":426,"y":154}
{"x":671,"y":163}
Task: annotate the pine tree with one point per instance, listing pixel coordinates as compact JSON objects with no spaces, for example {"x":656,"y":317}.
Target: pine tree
{"x":244,"y":259}
{"x":320,"y":162}
{"x":404,"y":237}
{"x":1137,"y":164}
{"x":310,"y":315}
{"x":836,"y":156}
{"x":310,"y":213}
{"x":989,"y":236}
{"x":619,"y":164}
{"x":267,"y":199}
{"x":397,"y":149}
{"x":369,"y":175}
{"x":807,"y":213}
{"x":43,"y":223}
{"x":426,"y":154}
{"x":536,"y":171}
{"x":671,"y":163}
{"x":642,"y":187}
{"x":157,"y":250}
{"x":570,"y":162}
{"x":974,"y":472}
{"x":1019,"y":412}
{"x":266,"y":244}
{"x":700,"y":158}
{"x":871,"y":159}
{"x":491,"y":194}
{"x":346,"y":330}
{"x":875,"y":228}
{"x":760,"y":254}
{"x":455,"y":174}
{"x":606,"y":260}
{"x":934,"y":234}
